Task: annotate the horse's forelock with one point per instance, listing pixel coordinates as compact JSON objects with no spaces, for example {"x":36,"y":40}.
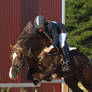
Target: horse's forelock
{"x":17,"y":47}
{"x":14,"y":49}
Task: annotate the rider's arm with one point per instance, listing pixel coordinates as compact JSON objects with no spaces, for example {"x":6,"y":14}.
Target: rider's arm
{"x":54,"y":33}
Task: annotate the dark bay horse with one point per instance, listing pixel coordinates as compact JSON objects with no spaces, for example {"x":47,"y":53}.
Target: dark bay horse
{"x":29,"y":49}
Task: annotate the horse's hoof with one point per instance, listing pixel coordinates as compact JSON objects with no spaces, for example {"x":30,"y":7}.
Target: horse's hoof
{"x":35,"y":82}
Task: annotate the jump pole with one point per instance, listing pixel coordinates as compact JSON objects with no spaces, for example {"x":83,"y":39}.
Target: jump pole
{"x":63,"y":21}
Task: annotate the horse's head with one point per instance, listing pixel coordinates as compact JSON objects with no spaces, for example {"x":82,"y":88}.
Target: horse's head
{"x":17,"y":58}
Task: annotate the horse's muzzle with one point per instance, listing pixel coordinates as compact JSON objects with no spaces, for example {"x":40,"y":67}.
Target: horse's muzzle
{"x":12,"y":74}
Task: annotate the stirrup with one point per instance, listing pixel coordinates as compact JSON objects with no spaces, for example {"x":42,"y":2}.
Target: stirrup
{"x":66,"y":67}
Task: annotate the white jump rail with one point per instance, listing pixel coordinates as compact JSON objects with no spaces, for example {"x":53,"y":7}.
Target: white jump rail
{"x":15,"y":85}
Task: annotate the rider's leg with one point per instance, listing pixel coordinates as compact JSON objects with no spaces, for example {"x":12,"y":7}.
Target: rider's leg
{"x":65,"y":51}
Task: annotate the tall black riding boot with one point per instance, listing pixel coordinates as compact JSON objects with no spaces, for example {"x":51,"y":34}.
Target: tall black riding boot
{"x":65,"y":52}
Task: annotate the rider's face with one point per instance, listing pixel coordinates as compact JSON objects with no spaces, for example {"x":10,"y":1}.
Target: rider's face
{"x":41,"y":29}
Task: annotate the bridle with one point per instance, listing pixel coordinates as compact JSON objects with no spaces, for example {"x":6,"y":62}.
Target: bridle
{"x":21,"y":64}
{"x":18,"y":68}
{"x":27,"y":53}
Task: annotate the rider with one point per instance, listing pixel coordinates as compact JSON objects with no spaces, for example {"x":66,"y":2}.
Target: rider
{"x":57,"y":32}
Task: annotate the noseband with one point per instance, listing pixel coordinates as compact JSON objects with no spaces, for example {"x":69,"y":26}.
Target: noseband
{"x":18,"y":68}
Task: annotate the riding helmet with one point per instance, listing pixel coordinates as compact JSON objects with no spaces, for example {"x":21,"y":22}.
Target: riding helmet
{"x":39,"y":21}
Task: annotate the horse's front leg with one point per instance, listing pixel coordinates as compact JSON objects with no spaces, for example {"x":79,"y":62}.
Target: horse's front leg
{"x":30,"y":77}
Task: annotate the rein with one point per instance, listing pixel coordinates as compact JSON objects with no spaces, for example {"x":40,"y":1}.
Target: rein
{"x":20,"y":66}
{"x":28,"y":53}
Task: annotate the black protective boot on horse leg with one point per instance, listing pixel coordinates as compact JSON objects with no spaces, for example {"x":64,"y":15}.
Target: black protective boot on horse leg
{"x":65,"y":52}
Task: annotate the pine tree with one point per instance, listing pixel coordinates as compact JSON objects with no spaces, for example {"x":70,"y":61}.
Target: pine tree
{"x":79,"y":24}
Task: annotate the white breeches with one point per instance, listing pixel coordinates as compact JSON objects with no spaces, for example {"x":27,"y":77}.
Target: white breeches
{"x":62,"y":39}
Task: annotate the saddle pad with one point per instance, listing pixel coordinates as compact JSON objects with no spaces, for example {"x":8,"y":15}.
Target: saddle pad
{"x":72,"y":48}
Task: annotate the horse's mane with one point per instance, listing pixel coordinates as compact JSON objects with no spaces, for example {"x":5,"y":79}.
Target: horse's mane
{"x":26,"y":33}
{"x":23,"y":37}
{"x":26,"y":36}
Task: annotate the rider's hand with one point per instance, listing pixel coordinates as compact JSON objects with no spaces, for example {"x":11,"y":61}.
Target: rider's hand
{"x":47,"y":50}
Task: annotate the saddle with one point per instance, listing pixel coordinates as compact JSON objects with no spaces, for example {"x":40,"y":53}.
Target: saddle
{"x":42,"y":55}
{"x":60,"y":61}
{"x":53,"y":52}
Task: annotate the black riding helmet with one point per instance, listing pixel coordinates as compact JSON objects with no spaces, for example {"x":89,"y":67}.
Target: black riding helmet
{"x":39,"y":21}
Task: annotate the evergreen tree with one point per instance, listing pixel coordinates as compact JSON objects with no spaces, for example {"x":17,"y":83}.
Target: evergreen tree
{"x":79,"y":24}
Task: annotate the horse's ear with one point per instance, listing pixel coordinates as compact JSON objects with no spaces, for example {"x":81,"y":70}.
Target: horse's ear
{"x":10,"y":45}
